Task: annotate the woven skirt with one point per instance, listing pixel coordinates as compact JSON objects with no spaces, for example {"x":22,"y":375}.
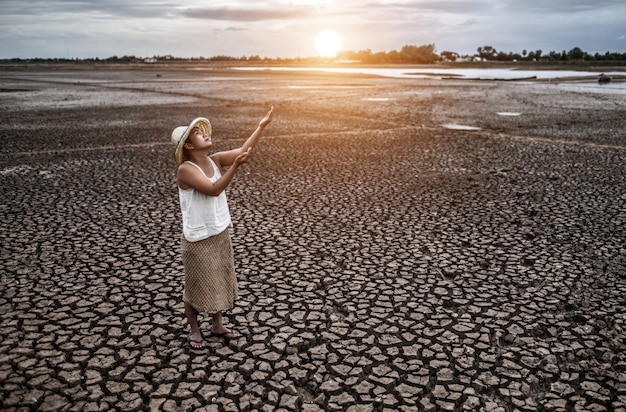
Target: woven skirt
{"x":210,"y":280}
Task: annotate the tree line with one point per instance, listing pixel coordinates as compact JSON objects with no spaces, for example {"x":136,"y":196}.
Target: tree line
{"x":426,"y":55}
{"x":576,"y":54}
{"x":409,"y":54}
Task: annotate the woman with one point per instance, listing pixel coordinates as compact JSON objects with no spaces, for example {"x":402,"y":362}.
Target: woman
{"x":207,"y":253}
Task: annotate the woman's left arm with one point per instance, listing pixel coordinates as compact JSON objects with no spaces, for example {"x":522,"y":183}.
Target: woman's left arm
{"x":228,"y":157}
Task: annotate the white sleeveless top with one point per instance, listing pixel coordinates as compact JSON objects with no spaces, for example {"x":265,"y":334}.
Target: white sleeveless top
{"x":203,"y":216}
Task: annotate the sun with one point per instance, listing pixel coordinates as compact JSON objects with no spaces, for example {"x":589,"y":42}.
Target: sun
{"x":328,"y":43}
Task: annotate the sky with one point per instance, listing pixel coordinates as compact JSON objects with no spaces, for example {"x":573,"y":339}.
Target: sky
{"x":237,"y":28}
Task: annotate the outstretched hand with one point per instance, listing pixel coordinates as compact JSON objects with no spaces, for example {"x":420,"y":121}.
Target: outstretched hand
{"x":268,"y":118}
{"x":243,"y":158}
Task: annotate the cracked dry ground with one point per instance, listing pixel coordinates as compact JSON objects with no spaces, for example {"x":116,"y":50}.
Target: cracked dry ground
{"x":384,"y":262}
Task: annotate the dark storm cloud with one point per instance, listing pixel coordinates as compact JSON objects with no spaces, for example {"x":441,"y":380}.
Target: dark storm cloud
{"x":449,"y":6}
{"x":143,"y":9}
{"x":561,"y":6}
{"x":247,"y":14}
{"x":119,"y":8}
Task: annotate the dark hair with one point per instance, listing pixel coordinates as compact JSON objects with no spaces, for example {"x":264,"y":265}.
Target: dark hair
{"x":185,"y":151}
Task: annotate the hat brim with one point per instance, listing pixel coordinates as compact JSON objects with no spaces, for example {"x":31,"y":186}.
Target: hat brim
{"x":201,"y":122}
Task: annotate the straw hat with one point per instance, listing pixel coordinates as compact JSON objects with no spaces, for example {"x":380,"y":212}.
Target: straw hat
{"x":181,"y":133}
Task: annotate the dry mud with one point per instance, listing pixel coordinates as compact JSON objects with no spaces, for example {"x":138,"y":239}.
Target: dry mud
{"x":385,"y":262}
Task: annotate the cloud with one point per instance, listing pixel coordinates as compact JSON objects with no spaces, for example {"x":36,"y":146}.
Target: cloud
{"x":452,"y":6}
{"x":562,"y":7}
{"x":247,"y":14}
{"x":89,"y":8}
{"x":470,"y":22}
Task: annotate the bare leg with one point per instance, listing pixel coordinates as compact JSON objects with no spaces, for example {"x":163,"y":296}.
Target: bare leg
{"x":195,"y":337}
{"x":219,"y":329}
{"x":217,"y":326}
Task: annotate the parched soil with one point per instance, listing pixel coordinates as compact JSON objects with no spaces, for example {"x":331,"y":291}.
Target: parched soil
{"x":400,"y":244}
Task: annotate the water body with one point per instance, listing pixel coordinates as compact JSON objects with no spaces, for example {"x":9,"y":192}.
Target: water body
{"x":470,"y":74}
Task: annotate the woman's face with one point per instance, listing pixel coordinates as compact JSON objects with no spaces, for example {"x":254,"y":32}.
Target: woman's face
{"x":198,"y":139}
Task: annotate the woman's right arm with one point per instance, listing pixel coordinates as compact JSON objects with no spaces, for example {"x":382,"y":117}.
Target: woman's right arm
{"x":189,"y":176}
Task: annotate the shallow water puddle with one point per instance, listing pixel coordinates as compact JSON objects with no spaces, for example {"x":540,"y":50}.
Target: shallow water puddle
{"x":460,"y":127}
{"x":319,"y":87}
{"x":511,"y":114}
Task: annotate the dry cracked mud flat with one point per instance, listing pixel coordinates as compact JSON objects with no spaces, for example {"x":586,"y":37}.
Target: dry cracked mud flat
{"x":385,"y":262}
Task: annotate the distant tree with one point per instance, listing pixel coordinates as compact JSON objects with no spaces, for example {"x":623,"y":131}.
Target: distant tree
{"x":576,"y":54}
{"x":380,"y":57}
{"x":349,"y":55}
{"x":534,"y":55}
{"x":449,"y":56}
{"x":486,"y":52}
{"x":502,"y":56}
{"x":364,"y":55}
{"x":611,"y":56}
{"x":394,"y":56}
{"x":408,"y":54}
{"x":419,"y":54}
{"x":222,"y":58}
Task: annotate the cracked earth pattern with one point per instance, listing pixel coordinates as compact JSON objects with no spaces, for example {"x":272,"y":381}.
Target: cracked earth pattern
{"x":384,"y":261}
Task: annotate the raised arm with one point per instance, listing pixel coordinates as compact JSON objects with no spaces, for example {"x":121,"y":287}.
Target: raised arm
{"x":189,"y":176}
{"x":228,"y":157}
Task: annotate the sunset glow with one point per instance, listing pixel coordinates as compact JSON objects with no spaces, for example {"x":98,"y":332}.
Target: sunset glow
{"x":328,"y":43}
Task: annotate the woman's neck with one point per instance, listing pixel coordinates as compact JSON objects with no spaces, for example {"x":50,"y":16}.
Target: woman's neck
{"x":199,"y":158}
